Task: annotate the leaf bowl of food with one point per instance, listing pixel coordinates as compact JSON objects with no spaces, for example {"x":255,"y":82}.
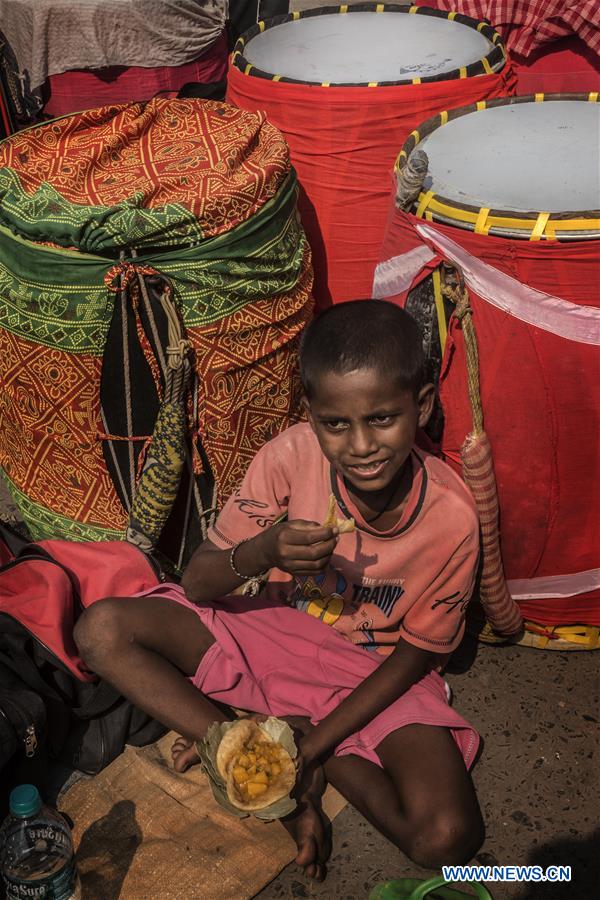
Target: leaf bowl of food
{"x":250,"y":766}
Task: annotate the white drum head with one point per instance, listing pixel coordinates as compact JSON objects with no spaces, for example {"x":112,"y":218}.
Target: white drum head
{"x":522,"y":157}
{"x":362,"y":47}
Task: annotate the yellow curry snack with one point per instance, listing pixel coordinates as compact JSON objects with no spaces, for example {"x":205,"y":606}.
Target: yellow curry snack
{"x":257,"y":770}
{"x":331,"y":521}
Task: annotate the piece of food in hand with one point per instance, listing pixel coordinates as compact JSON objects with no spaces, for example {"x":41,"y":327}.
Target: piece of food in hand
{"x":256,"y":769}
{"x":331,"y":520}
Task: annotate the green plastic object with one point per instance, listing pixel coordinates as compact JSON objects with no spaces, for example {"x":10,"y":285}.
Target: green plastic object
{"x":433,"y":889}
{"x":25,"y":801}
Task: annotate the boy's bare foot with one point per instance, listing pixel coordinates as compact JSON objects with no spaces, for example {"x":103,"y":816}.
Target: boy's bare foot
{"x":184,"y":754}
{"x":307,"y":828}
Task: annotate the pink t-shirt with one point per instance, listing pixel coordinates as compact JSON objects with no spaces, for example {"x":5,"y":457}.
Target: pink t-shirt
{"x":413,"y":581}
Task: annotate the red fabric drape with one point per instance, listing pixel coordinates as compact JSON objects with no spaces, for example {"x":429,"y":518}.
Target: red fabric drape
{"x":541,"y":398}
{"x":74,"y":91}
{"x":343,"y":144}
{"x":5,"y":121}
{"x":564,"y":66}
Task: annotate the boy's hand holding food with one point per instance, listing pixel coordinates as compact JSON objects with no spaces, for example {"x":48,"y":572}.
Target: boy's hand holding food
{"x":303,"y":548}
{"x":298,"y":547}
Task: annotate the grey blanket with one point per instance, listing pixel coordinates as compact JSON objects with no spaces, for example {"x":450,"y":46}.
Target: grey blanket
{"x":52,"y":36}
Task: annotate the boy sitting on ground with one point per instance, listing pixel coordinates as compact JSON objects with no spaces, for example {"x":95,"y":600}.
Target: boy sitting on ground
{"x":352,"y":628}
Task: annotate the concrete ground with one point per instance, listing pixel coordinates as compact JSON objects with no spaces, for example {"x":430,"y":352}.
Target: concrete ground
{"x":537,"y":777}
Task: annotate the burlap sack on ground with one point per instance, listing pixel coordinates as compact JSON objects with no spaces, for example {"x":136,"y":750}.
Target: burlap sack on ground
{"x":143,"y":831}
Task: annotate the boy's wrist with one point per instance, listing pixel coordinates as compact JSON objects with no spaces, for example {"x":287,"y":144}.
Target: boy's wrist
{"x":249,"y":559}
{"x":308,"y":749}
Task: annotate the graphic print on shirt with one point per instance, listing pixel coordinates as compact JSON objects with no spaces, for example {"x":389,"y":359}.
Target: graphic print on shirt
{"x":458,"y":598}
{"x":354,"y":609}
{"x":317,"y":596}
{"x":255,"y":510}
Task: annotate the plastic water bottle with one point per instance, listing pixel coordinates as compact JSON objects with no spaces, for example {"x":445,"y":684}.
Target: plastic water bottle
{"x":36,"y":851}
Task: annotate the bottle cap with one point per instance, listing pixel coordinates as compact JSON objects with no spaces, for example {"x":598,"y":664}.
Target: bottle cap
{"x":25,"y":800}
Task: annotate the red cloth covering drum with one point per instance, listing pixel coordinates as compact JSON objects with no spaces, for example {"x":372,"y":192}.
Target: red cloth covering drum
{"x":533,"y":283}
{"x":564,"y":65}
{"x":346,"y":85}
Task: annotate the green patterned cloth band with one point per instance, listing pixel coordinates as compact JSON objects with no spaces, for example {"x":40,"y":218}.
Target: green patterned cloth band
{"x":57,"y":297}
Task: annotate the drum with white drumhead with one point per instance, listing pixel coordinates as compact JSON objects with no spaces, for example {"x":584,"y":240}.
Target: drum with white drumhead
{"x":507,"y":192}
{"x":346,"y":85}
{"x":525,"y":169}
{"x":366,"y":48}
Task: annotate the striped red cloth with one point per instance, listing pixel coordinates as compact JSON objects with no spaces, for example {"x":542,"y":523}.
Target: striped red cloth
{"x":528,"y":25}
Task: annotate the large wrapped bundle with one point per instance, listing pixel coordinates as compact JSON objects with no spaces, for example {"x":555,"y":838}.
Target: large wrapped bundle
{"x":346,"y":85}
{"x":126,"y":234}
{"x":525,"y":237}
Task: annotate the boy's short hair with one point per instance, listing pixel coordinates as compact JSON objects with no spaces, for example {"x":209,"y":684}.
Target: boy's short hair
{"x":363,"y":334}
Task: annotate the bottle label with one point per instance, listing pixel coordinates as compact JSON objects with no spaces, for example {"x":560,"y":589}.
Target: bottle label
{"x":58,"y":886}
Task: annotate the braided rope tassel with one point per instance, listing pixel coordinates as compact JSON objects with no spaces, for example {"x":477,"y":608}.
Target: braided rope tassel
{"x":162,"y":469}
{"x":501,"y":610}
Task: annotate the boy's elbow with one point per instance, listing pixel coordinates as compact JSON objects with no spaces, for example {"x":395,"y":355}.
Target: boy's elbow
{"x":191,"y":588}
{"x":418,"y":661}
{"x":194,"y":579}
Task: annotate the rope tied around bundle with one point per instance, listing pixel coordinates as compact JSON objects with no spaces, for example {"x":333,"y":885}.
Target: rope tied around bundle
{"x":501,"y":610}
{"x":177,"y":351}
{"x":120,"y":276}
{"x":178,"y":346}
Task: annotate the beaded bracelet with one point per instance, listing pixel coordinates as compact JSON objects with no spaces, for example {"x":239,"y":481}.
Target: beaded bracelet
{"x":253,"y":582}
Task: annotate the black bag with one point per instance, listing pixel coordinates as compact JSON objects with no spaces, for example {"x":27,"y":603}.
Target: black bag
{"x":83,"y":724}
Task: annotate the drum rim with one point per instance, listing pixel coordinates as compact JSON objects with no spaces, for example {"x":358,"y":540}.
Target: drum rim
{"x":490,"y":64}
{"x":530,"y":225}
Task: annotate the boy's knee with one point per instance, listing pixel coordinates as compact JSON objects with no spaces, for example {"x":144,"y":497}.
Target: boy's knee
{"x":447,"y":838}
{"x":98,"y":630}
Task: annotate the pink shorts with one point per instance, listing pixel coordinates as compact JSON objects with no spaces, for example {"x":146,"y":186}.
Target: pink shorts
{"x":272,"y":659}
